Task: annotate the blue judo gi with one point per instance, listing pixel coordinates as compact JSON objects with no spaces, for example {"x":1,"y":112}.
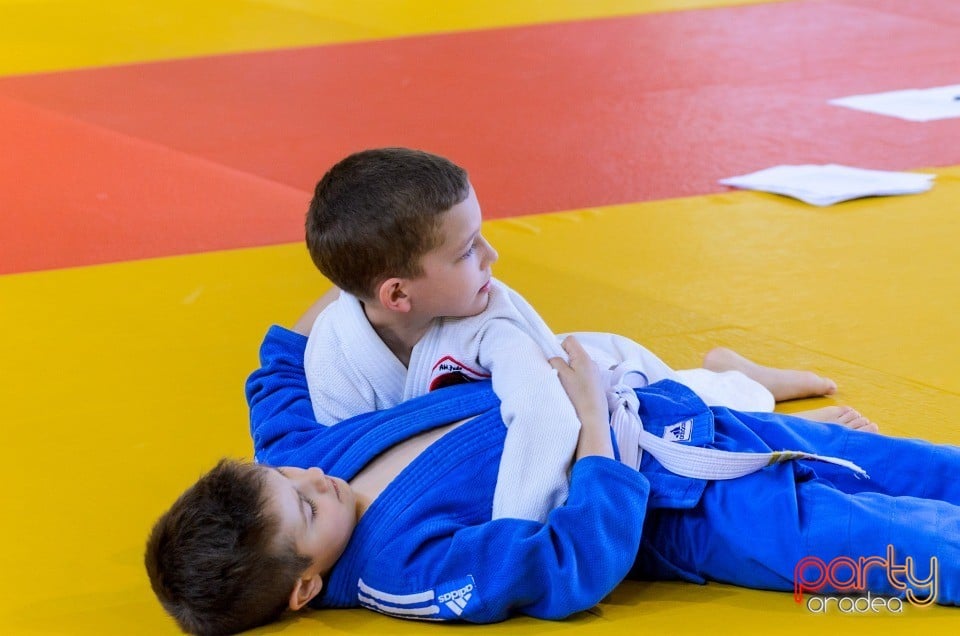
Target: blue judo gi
{"x":427,"y":549}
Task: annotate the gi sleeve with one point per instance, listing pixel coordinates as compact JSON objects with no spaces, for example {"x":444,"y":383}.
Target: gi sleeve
{"x":488,"y":572}
{"x":542,"y":425}
{"x":281,"y":417}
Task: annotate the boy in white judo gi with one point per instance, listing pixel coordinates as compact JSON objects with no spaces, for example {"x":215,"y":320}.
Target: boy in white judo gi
{"x":399,"y":231}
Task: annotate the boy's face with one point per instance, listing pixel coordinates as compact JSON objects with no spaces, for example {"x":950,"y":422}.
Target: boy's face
{"x":456,"y":275}
{"x":316,"y":512}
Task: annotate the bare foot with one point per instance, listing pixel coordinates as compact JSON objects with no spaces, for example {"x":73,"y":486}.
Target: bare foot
{"x":842,"y":415}
{"x":785,"y":384}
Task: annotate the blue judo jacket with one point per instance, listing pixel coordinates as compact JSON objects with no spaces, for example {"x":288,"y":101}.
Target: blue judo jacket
{"x":426,"y":548}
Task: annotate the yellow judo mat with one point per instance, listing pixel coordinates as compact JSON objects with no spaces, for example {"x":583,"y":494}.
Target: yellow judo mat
{"x":123,"y":381}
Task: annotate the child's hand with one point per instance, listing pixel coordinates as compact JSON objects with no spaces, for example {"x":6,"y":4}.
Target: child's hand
{"x":581,"y":380}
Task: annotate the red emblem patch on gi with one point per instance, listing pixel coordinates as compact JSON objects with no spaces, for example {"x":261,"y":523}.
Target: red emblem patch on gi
{"x":449,"y":371}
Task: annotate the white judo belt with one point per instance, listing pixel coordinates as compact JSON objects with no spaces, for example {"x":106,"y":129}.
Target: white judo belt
{"x":690,"y":461}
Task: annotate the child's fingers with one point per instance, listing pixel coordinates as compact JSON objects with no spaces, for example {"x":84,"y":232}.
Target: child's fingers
{"x":558,"y":363}
{"x":574,"y":349}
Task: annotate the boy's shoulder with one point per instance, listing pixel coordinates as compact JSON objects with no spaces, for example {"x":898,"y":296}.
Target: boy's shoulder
{"x":502,"y":308}
{"x":508,"y":317}
{"x":507,"y":303}
{"x":504,"y":301}
{"x":344,"y":311}
{"x":342,"y":328}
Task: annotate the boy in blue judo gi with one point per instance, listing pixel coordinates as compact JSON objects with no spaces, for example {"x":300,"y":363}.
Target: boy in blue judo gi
{"x":345,"y":522}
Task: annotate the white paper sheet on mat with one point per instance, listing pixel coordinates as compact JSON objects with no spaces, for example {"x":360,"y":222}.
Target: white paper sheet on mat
{"x":828,"y":184}
{"x":926,"y":104}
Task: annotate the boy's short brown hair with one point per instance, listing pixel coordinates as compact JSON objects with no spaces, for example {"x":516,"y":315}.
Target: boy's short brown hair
{"x":212,"y":558}
{"x":376,"y":212}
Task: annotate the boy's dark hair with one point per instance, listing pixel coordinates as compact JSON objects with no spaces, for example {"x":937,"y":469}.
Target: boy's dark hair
{"x":376,"y":212}
{"x":212,"y":558}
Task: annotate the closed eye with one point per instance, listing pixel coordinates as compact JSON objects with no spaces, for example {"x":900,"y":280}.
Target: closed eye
{"x":309,"y":502}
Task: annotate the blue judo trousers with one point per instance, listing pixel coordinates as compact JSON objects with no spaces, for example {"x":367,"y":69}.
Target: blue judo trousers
{"x":812,"y":527}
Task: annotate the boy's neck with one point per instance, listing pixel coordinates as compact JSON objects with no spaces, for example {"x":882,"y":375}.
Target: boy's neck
{"x":400,"y":332}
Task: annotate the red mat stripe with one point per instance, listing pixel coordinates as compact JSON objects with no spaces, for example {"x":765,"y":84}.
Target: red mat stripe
{"x":73,"y":195}
{"x":546,"y":117}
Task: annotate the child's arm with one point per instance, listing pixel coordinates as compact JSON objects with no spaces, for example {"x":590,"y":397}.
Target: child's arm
{"x":282,"y":420}
{"x":278,"y":398}
{"x":511,"y":566}
{"x":580,"y":378}
{"x":542,"y":425}
{"x":349,"y":369}
{"x":585,"y":549}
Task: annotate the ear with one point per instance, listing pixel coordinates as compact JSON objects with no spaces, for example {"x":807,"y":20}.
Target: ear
{"x":393,"y":295}
{"x":304,"y":590}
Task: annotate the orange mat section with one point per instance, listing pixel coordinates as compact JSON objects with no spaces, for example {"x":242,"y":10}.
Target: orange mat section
{"x":83,"y":195}
{"x":601,"y":112}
